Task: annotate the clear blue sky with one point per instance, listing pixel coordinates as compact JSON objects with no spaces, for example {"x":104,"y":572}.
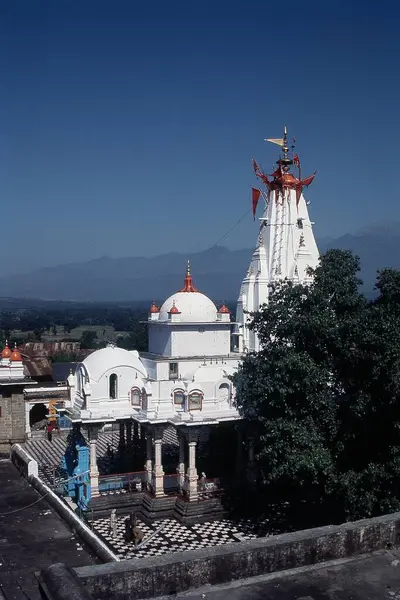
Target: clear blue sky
{"x":127,"y":127}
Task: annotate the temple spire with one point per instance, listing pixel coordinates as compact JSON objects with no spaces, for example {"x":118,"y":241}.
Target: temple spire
{"x":286,"y":247}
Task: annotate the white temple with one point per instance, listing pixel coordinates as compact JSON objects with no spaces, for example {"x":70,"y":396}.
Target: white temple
{"x":183,"y":381}
{"x":286,"y":245}
{"x":184,"y":378}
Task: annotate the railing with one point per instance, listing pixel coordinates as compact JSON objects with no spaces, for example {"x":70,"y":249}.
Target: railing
{"x":132,"y":482}
{"x":137,"y":482}
{"x":171,"y":484}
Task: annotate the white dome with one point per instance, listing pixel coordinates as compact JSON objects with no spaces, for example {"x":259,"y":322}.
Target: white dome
{"x":193,"y":306}
{"x":101,"y":361}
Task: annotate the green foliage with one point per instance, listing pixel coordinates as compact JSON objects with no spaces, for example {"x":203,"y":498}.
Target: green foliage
{"x":88,"y":339}
{"x":322,"y":397}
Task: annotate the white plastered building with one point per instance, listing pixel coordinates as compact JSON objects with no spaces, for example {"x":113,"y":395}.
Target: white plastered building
{"x":183,"y":380}
{"x":286,"y":246}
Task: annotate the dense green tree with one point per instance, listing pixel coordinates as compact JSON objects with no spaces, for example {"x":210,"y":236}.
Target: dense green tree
{"x":88,"y":339}
{"x":322,"y":397}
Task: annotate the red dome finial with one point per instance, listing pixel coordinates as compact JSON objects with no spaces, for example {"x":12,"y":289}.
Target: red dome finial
{"x":188,"y":287}
{"x":224,"y":309}
{"x":154,"y":308}
{"x":6,"y":353}
{"x":174,"y":310}
{"x":15,"y":356}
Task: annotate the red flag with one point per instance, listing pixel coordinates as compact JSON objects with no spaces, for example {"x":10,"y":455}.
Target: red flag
{"x":296,"y":160}
{"x":255,"y":196}
{"x":299,"y":189}
{"x":308,"y":180}
{"x":260,"y":174}
{"x":255,"y":166}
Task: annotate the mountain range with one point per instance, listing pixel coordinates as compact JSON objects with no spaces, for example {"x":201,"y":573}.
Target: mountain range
{"x":217,"y":271}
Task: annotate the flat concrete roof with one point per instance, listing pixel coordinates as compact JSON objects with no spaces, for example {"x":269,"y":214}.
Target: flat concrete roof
{"x":31,"y":539}
{"x":374,"y":576}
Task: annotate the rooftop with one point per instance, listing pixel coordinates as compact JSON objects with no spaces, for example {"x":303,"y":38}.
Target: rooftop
{"x":373,"y":577}
{"x":32,"y":537}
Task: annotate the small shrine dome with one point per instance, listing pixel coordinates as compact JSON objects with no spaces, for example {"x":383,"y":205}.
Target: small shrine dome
{"x":174,"y":309}
{"x":154,"y":309}
{"x":224,"y":310}
{"x":15,"y":356}
{"x":192,"y":305}
{"x":106,"y":359}
{"x":6,"y":352}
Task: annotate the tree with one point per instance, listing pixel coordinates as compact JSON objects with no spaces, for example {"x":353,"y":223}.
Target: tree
{"x":88,"y":339}
{"x":322,"y":397}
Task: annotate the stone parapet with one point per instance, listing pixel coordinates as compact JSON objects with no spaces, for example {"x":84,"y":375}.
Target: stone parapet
{"x":178,"y":572}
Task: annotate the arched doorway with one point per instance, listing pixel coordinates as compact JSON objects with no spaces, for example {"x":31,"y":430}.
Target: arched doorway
{"x":37,"y":413}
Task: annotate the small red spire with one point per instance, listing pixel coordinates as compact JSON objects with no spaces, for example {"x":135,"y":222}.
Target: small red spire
{"x":6,"y":353}
{"x":154,"y":308}
{"x":224,"y":309}
{"x":15,"y":356}
{"x":188,"y":287}
{"x":174,"y":310}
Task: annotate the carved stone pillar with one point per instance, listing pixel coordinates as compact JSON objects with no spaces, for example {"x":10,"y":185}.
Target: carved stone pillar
{"x":27,"y":420}
{"x":181,"y":464}
{"x":149,"y":458}
{"x":191,"y":474}
{"x":94,"y":471}
{"x":158,"y":472}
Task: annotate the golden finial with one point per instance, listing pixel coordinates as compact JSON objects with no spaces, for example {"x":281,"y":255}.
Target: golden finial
{"x":282,"y":142}
{"x":188,"y":268}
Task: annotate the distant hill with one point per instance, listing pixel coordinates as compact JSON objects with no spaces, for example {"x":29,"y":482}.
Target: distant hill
{"x":378,"y":246}
{"x":217,"y":272}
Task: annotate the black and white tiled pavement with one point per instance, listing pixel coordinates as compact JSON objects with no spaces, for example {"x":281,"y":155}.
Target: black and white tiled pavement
{"x":163,"y":537}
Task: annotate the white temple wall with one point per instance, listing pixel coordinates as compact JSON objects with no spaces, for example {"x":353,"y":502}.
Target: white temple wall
{"x":160,"y":339}
{"x":204,"y":340}
{"x":126,"y":377}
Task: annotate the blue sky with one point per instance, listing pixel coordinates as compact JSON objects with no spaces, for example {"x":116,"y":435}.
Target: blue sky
{"x":127,"y":128}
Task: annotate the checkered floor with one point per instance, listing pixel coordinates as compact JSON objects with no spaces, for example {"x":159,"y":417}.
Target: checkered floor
{"x":169,"y":535}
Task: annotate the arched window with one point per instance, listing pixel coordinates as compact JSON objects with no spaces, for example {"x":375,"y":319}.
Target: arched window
{"x":144,"y":399}
{"x":113,"y":384}
{"x":195,"y":400}
{"x":79,"y":383}
{"x":179,"y":399}
{"x":224,"y":393}
{"x":135,"y":397}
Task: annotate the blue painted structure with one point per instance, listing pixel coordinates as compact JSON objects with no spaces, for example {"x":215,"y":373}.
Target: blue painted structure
{"x":64,"y":422}
{"x":75,"y":463}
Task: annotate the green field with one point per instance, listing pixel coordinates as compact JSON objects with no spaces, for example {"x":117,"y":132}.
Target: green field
{"x":104,"y":333}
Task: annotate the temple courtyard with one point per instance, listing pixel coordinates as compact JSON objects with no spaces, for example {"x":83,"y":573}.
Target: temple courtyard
{"x":161,"y":536}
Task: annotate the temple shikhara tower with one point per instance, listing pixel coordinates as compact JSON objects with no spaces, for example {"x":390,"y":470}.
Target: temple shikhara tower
{"x":286,"y":246}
